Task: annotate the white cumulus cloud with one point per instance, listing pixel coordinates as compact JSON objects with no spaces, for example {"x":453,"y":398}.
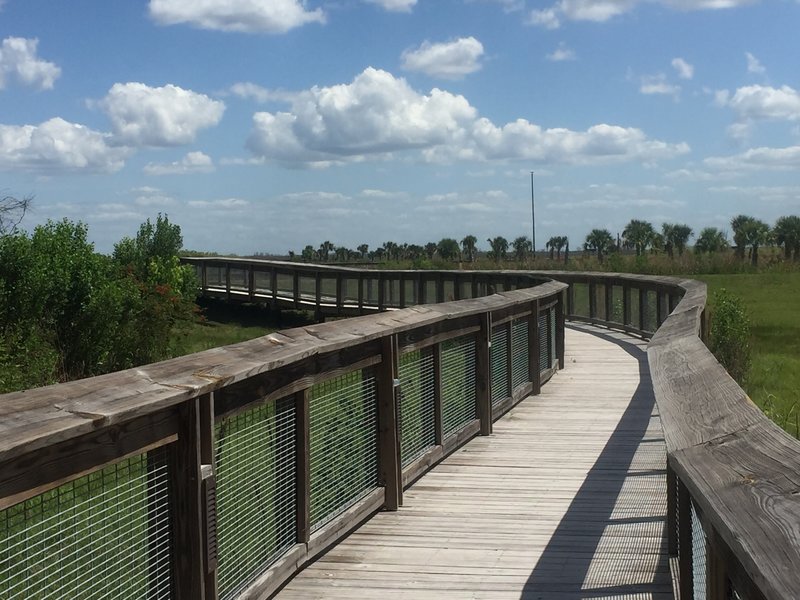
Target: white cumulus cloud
{"x":683,"y":68}
{"x":18,"y":60}
{"x":658,"y":85}
{"x":448,"y":60}
{"x":562,"y":53}
{"x":600,"y":11}
{"x":761,"y":102}
{"x":253,"y":91}
{"x":193,"y":162}
{"x":58,"y":145}
{"x":248,"y":16}
{"x":758,"y":158}
{"x":394,"y":5}
{"x":377,"y":114}
{"x":158,"y":116}
{"x":753,"y":64}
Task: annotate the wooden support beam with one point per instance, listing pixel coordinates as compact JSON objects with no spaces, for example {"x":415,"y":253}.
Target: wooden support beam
{"x":609,"y":301}
{"x":438,"y":422}
{"x":273,"y":283}
{"x":302,"y":438}
{"x":560,"y":326}
{"x":228,"y":281}
{"x":361,"y":293}
{"x":534,"y":333}
{"x":642,"y":307}
{"x":296,"y":288}
{"x":339,"y":293}
{"x":571,"y":300}
{"x":390,"y":471}
{"x":626,"y":304}
{"x":592,"y":300}
{"x":510,"y":357}
{"x":483,"y":375}
{"x":318,"y":297}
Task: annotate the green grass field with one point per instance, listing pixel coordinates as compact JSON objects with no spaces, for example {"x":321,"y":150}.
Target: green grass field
{"x":773,"y":304}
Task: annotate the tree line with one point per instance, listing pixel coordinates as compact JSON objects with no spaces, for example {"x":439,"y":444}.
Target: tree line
{"x":640,"y":236}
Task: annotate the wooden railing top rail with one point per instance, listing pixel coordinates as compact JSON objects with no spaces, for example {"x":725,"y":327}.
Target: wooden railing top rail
{"x":38,"y":418}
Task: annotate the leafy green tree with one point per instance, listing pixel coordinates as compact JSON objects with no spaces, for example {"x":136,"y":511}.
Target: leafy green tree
{"x":739,"y":224}
{"x":710,"y":240}
{"x":749,"y":231}
{"x":363,"y":250}
{"x":551,"y":245}
{"x":675,"y":236}
{"x":729,"y":335}
{"x":430,"y":250}
{"x":448,"y":249}
{"x":787,"y":234}
{"x":522,"y":247}
{"x":469,"y":247}
{"x":499,"y":248}
{"x":308,"y":253}
{"x":638,"y":235}
{"x":599,"y":241}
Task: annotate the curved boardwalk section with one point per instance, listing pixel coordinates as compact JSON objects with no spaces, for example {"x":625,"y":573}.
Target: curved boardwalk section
{"x":567,"y":499}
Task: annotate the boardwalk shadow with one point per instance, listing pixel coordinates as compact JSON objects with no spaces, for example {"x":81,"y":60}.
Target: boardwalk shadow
{"x":586,"y":556}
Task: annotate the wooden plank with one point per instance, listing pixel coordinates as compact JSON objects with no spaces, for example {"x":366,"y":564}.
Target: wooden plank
{"x":390,"y":473}
{"x":303,"y":464}
{"x":534,"y":349}
{"x":483,"y":375}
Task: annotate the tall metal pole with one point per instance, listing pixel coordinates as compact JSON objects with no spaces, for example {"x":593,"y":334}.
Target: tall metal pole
{"x":533,"y":219}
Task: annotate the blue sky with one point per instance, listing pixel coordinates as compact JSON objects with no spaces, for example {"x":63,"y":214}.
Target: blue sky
{"x":267,"y":125}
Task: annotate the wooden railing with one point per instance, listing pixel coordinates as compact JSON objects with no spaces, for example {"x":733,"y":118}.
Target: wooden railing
{"x":220,"y":474}
{"x":733,"y":475}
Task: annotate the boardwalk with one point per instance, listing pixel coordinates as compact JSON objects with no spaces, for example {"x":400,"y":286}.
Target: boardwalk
{"x":566,"y":500}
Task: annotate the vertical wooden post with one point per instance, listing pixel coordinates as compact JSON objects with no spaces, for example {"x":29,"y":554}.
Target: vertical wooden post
{"x":686,"y":581}
{"x":571,"y":300}
{"x":438,"y":424}
{"x":474,"y":284}
{"x":390,"y":469}
{"x":402,"y":291}
{"x":592,"y":300}
{"x":661,"y":313}
{"x":296,"y":288}
{"x":440,"y":287}
{"x":609,"y":286}
{"x":204,"y":276}
{"x":186,"y":505}
{"x":339,"y":293}
{"x":483,"y":366}
{"x":227,"y":281}
{"x":626,"y":304}
{"x":273,"y":282}
{"x":251,"y":282}
{"x":381,"y":291}
{"x":717,"y":586}
{"x":673,"y":302}
{"x":560,"y":331}
{"x":318,"y":297}
{"x":361,"y":293}
{"x":510,"y":357}
{"x":534,"y":333}
{"x":209,"y":488}
{"x":672,"y":512}
{"x":303,"y":464}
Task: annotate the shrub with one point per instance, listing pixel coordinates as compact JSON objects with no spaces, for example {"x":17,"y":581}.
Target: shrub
{"x":729,"y":337}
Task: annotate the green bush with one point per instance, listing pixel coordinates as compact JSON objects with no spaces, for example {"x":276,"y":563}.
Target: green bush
{"x":729,"y":337}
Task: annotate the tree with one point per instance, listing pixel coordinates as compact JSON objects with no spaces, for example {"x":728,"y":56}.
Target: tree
{"x":499,"y":248}
{"x":639,"y":235}
{"x":710,"y":240}
{"x":551,"y":245}
{"x":364,"y":250}
{"x":469,"y":246}
{"x":522,"y":247}
{"x":325,"y":249}
{"x":739,"y":224}
{"x":12,"y":211}
{"x":599,"y":241}
{"x":448,"y":248}
{"x":392,"y":250}
{"x":675,"y":236}
{"x":561,"y":241}
{"x":757,"y":233}
{"x":308,"y":253}
{"x":787,"y":234}
{"x":430,"y":250}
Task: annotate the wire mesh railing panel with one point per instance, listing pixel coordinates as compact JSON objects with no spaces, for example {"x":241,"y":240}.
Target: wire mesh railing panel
{"x":520,"y":367}
{"x":698,"y":556}
{"x":465,"y":289}
{"x":240,"y":279}
{"x":633,"y":302}
{"x":327,"y":289}
{"x":371,"y":286}
{"x":417,"y":404}
{"x":350,"y":290}
{"x":449,"y":290}
{"x":552,"y":319}
{"x":393,"y":293}
{"x":499,"y":361}
{"x":263,"y":281}
{"x":256,"y":499}
{"x":344,"y":437}
{"x":580,"y":299}
{"x":103,"y":535}
{"x":600,"y":301}
{"x":458,"y":383}
{"x":430,"y":292}
{"x":215,"y":276}
{"x":544,"y":346}
{"x":285,"y":284}
{"x":308,"y":286}
{"x":410,"y":287}
{"x":617,"y":312}
{"x":651,"y":311}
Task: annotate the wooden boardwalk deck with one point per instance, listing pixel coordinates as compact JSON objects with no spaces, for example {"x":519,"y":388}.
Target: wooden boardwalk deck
{"x":565,"y":500}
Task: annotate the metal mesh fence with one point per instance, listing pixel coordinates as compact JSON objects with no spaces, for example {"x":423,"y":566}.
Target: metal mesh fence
{"x":650,"y":312}
{"x":698,"y":556}
{"x":263,"y":282}
{"x":256,"y":501}
{"x":600,"y":301}
{"x":458,"y":383}
{"x":344,"y":432}
{"x":215,"y":276}
{"x":417,"y":406}
{"x":633,"y":302}
{"x":499,"y":360}
{"x":285,"y":284}
{"x":544,"y":358}
{"x":520,"y":368}
{"x":103,"y":535}
{"x":239,"y":279}
{"x":617,"y":308}
{"x":580,"y":299}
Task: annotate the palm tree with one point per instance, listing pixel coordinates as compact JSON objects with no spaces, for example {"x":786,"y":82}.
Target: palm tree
{"x":551,"y":245}
{"x":391,"y":249}
{"x":468,"y":245}
{"x":561,"y":242}
{"x":739,"y":224}
{"x":325,"y":248}
{"x":599,"y":241}
{"x":756,"y":234}
{"x":710,"y":240}
{"x":430,"y":249}
{"x":787,"y":234}
{"x":675,"y":236}
{"x":447,"y":248}
{"x":364,"y":250}
{"x":639,"y":235}
{"x":499,"y":247}
{"x":522,"y":246}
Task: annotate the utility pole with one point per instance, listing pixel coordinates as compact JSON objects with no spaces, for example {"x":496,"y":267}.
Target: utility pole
{"x":533,"y":219}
